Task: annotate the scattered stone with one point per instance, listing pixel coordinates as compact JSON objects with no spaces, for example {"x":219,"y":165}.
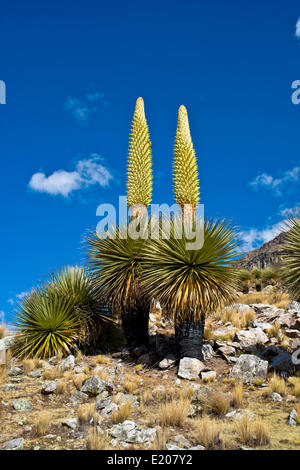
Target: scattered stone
{"x":292,"y":419}
{"x":173,"y":447}
{"x":14,"y":371}
{"x":101,"y":404}
{"x":122,"y":398}
{"x":167,"y":362}
{"x":190,"y":368}
{"x":36,"y":374}
{"x":207,"y":351}
{"x":251,"y":337}
{"x":129,"y":432}
{"x":78,"y":397}
{"x":14,"y":444}
{"x":209,"y":376}
{"x":239,"y":414}
{"x":71,"y":423}
{"x":198,"y":447}
{"x":109,"y":409}
{"x":180,"y":439}
{"x":276,"y":397}
{"x":249,"y":367}
{"x":67,"y":364}
{"x":93,"y":386}
{"x":224,"y":332}
{"x":49,"y":387}
{"x":226,"y":351}
{"x":22,"y":405}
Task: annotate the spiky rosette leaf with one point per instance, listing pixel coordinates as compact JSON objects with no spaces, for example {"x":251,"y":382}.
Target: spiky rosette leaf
{"x":139,"y":167}
{"x":185,"y":173}
{"x":115,"y":264}
{"x":192,"y":283}
{"x":290,"y":273}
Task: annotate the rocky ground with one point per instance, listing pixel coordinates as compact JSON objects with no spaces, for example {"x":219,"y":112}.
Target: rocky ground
{"x":147,"y":400}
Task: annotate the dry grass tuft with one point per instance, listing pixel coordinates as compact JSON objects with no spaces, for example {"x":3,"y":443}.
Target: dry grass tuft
{"x":160,"y":440}
{"x":2,"y":331}
{"x":207,"y":432}
{"x":258,"y":382}
{"x":243,"y":429}
{"x":51,"y":374}
{"x":123,"y":413}
{"x":3,"y":374}
{"x":97,"y":441}
{"x":174,"y":413}
{"x":78,"y":381}
{"x":130,"y":387}
{"x":252,"y":432}
{"x":61,"y":388}
{"x":28,"y":365}
{"x":218,"y":403}
{"x":261,"y":432}
{"x":295,"y":382}
{"x":277,"y":384}
{"x":238,"y":394}
{"x":42,"y":423}
{"x":238,"y":320}
{"x":87,"y":414}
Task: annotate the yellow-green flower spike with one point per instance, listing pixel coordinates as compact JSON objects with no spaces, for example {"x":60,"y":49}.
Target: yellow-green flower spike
{"x":185,"y":172}
{"x":139,"y":168}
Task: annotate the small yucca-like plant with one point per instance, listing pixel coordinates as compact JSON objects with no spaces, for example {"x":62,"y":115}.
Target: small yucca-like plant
{"x":290,"y":273}
{"x":139,"y":169}
{"x":64,"y":313}
{"x":185,"y":172}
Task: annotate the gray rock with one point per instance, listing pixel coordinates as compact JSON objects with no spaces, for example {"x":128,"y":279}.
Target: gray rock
{"x":292,"y":419}
{"x":226,"y":351}
{"x":36,"y":374}
{"x":109,"y":409}
{"x":71,"y":423}
{"x":173,"y":447}
{"x":22,"y":405}
{"x":93,"y":386}
{"x":14,"y":444}
{"x":14,"y":371}
{"x":7,"y":342}
{"x":190,"y":368}
{"x":224,"y":332}
{"x":249,"y":367}
{"x":78,"y":397}
{"x":276,"y":397}
{"x":49,"y":387}
{"x":251,"y":337}
{"x":207,"y":351}
{"x":167,"y":362}
{"x":239,"y":414}
{"x":198,"y":447}
{"x":101,"y":404}
{"x":67,"y":364}
{"x":122,"y":398}
{"x":209,"y":376}
{"x":180,"y":439}
{"x":129,"y":432}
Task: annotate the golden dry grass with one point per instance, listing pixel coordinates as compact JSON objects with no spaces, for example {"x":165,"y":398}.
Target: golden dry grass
{"x":42,"y":423}
{"x":238,"y":394}
{"x":28,"y":365}
{"x":238,"y":320}
{"x":207,"y":432}
{"x":123,"y":413}
{"x":87,"y":414}
{"x":61,"y":388}
{"x":78,"y":381}
{"x":277,"y":384}
{"x":51,"y":374}
{"x":160,"y":440}
{"x":96,"y":441}
{"x":2,"y":331}
{"x":3,"y":374}
{"x":217,"y":402}
{"x":174,"y":413}
{"x":252,"y":432}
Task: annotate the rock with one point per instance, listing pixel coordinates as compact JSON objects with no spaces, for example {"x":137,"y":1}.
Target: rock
{"x":266,"y":313}
{"x":198,"y":447}
{"x":226,"y":351}
{"x":67,"y":364}
{"x":276,"y":397}
{"x":249,"y":367}
{"x":180,"y":439}
{"x":14,"y":371}
{"x":173,"y":447}
{"x":22,"y":405}
{"x":286,"y":320}
{"x":293,"y":417}
{"x":129,"y":432}
{"x":167,"y":362}
{"x":93,"y":386}
{"x":14,"y":444}
{"x":292,"y":333}
{"x":228,"y":332}
{"x":7,"y":342}
{"x":36,"y":374}
{"x":240,"y":308}
{"x":263,"y":325}
{"x":190,"y":368}
{"x":251,"y":337}
{"x":101,"y":404}
{"x":239,"y":414}
{"x":207,"y":351}
{"x":71,"y":423}
{"x":78,"y":397}
{"x":209,"y":376}
{"x":49,"y":387}
{"x":109,"y":409}
{"x":122,"y":398}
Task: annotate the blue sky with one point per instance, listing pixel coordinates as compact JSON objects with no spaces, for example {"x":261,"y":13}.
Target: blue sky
{"x":73,"y":71}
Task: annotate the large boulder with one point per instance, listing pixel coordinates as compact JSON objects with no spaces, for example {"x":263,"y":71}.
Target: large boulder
{"x":93,"y":386}
{"x":251,"y":337}
{"x":249,"y":367}
{"x":266,"y":313}
{"x":129,"y":432}
{"x":67,"y":364}
{"x":22,"y":404}
{"x":190,"y":368}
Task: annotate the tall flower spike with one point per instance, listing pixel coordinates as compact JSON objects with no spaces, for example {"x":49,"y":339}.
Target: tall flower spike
{"x":185,"y":173}
{"x":139,"y":167}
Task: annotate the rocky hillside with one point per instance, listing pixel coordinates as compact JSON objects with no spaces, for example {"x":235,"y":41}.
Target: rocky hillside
{"x":269,"y":254}
{"x":147,"y":399}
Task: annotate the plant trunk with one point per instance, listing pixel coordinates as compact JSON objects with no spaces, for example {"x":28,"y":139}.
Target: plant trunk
{"x":189,"y":337}
{"x":135,"y":326}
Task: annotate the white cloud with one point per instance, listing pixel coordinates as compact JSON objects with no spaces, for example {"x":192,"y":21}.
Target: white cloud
{"x":297,"y":33}
{"x":24,"y":294}
{"x":11,"y":301}
{"x":288,"y":212}
{"x":276,"y":184}
{"x":88,"y":172}
{"x":82,"y":108}
{"x":253,"y":238}
{"x":2,"y":317}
